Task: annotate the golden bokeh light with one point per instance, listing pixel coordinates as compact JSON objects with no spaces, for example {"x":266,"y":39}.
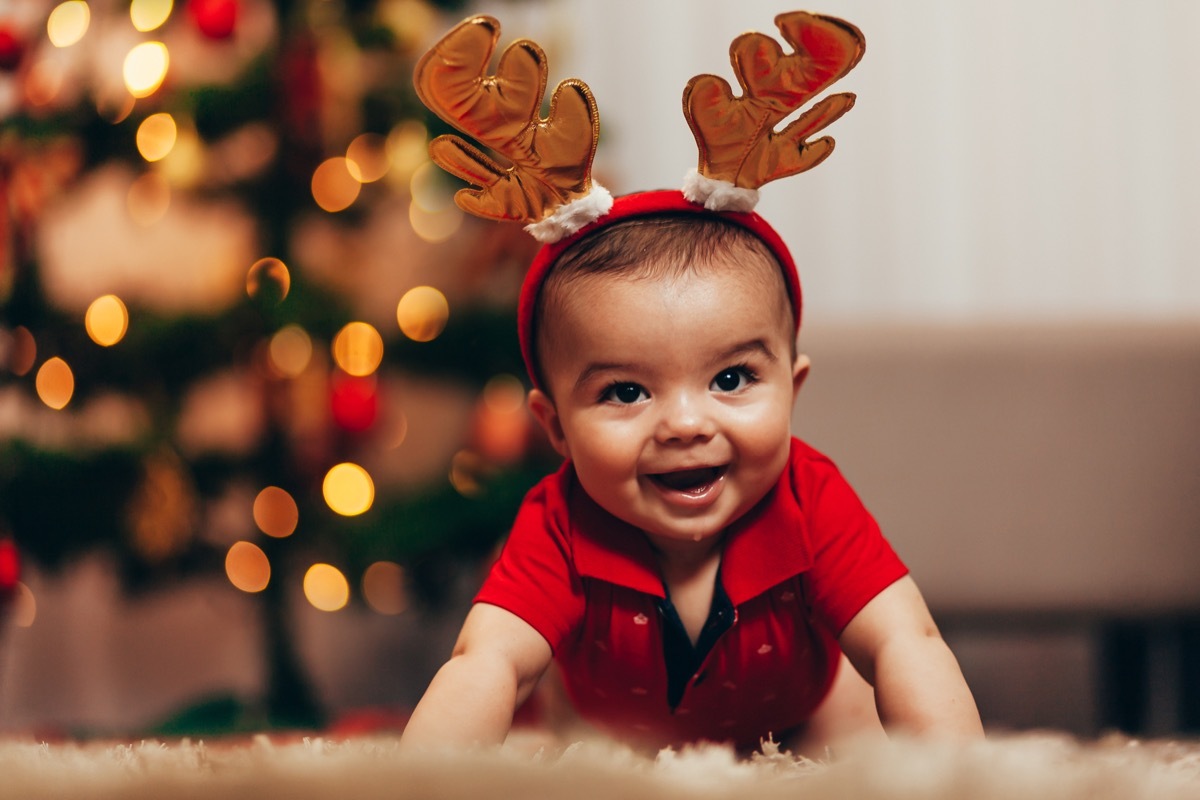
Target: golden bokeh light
{"x":504,"y":394}
{"x":68,"y":23}
{"x":348,"y":489}
{"x":156,"y":136}
{"x":275,"y":512}
{"x":22,"y":354}
{"x":269,"y":279}
{"x":290,"y":351}
{"x":106,"y":320}
{"x":148,"y":199}
{"x":358,"y":349}
{"x":43,"y":82}
{"x":422,"y":313}
{"x":115,"y":107}
{"x":186,"y":164}
{"x":368,"y":155}
{"x":55,"y":383}
{"x":334,"y":186}
{"x":247,"y":567}
{"x":467,"y":472}
{"x":326,"y":588}
{"x":407,"y":149}
{"x":145,"y":68}
{"x":24,"y":610}
{"x":429,"y":188}
{"x":148,"y":15}
{"x":435,"y":227}
{"x":383,"y":587}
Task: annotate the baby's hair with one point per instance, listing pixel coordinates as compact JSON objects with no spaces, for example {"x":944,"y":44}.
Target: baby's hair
{"x":655,"y":247}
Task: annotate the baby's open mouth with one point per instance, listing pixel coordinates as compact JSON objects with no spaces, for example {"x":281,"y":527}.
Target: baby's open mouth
{"x":689,"y":480}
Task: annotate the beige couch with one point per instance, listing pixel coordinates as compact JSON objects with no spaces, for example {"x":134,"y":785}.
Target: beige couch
{"x":1043,"y":483}
{"x":1022,"y":469}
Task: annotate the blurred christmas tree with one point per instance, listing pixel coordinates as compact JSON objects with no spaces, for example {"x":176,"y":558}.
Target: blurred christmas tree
{"x":231,"y":280}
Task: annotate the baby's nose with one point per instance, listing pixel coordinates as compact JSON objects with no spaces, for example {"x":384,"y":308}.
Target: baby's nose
{"x":685,"y":419}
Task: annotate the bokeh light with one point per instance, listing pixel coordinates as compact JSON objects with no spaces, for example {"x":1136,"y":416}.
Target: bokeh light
{"x":269,"y":280}
{"x":358,"y":349}
{"x":115,"y":107}
{"x":149,"y":199}
{"x":106,"y":320}
{"x":348,"y":489}
{"x":146,"y":68}
{"x":290,"y":351}
{"x":467,"y":472}
{"x":334,"y":186}
{"x":24,"y":610}
{"x":326,"y":588}
{"x":23,"y":353}
{"x":68,"y":23}
{"x":275,"y":512}
{"x":429,"y":188}
{"x":504,"y":394}
{"x":43,"y":82}
{"x":187,"y":163}
{"x":383,"y":587}
{"x":407,"y":150}
{"x":367,"y":155}
{"x":434,"y":226}
{"x":55,"y":383}
{"x":247,"y":567}
{"x":147,"y":15}
{"x":422,"y":313}
{"x":156,"y":136}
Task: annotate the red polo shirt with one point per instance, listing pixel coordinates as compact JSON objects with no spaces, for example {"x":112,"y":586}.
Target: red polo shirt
{"x":797,"y":568}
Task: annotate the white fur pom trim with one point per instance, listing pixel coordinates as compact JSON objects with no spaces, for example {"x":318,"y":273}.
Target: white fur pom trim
{"x":567,"y":219}
{"x":716,"y":195}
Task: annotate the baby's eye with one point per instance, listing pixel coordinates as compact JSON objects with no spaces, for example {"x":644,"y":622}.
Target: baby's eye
{"x":623,"y":393}
{"x":732,"y":379}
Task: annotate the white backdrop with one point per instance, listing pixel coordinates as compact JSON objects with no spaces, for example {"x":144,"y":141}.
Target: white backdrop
{"x":1008,"y":160}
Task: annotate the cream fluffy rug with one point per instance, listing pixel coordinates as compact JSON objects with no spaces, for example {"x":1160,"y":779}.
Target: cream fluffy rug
{"x":1022,"y":767}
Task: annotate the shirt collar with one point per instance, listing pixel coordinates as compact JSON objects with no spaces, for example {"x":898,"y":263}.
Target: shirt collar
{"x":765,"y":547}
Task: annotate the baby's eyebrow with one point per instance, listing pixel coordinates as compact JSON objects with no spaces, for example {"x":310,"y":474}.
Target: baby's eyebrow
{"x":747,"y":348}
{"x":597,"y":367}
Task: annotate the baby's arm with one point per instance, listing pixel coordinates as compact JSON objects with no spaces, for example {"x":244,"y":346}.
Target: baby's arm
{"x":496,"y":663}
{"x":919,"y":688}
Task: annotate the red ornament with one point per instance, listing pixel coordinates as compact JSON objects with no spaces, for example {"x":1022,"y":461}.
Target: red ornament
{"x":10,"y":568}
{"x":354,"y":402}
{"x":216,"y":19}
{"x":12,"y":49}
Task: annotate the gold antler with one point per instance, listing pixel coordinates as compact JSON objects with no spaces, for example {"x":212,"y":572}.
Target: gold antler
{"x":550,"y":158}
{"x":736,"y":136}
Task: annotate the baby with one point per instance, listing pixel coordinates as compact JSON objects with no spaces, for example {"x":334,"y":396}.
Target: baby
{"x":695,"y":571}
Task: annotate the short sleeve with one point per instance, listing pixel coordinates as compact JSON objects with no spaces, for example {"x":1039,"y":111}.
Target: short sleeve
{"x":534,"y":576}
{"x":852,"y":561}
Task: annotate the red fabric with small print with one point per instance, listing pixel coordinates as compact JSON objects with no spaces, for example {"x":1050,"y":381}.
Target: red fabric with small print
{"x":797,"y":568}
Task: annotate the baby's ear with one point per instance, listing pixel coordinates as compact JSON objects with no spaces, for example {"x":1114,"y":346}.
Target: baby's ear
{"x":800,"y":368}
{"x":547,"y":416}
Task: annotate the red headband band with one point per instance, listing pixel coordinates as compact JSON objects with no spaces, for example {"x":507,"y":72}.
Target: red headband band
{"x":641,"y":204}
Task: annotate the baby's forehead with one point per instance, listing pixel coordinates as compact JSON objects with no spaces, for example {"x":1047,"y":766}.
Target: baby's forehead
{"x":747,"y":266}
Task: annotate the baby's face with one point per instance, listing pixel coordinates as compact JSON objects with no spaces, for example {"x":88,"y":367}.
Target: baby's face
{"x":673,"y":397}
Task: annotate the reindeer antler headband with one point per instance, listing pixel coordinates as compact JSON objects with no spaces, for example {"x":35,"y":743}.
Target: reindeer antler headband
{"x":548,"y":184}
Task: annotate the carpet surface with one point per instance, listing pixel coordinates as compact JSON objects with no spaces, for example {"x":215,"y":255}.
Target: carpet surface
{"x":1047,"y":767}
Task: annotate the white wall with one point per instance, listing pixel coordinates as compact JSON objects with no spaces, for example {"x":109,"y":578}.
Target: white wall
{"x":1024,"y":158}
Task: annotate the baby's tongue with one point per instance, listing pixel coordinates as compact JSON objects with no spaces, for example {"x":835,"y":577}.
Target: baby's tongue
{"x":688,"y":479}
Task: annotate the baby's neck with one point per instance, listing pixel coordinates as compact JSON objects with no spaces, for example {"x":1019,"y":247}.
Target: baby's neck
{"x":690,"y":575}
